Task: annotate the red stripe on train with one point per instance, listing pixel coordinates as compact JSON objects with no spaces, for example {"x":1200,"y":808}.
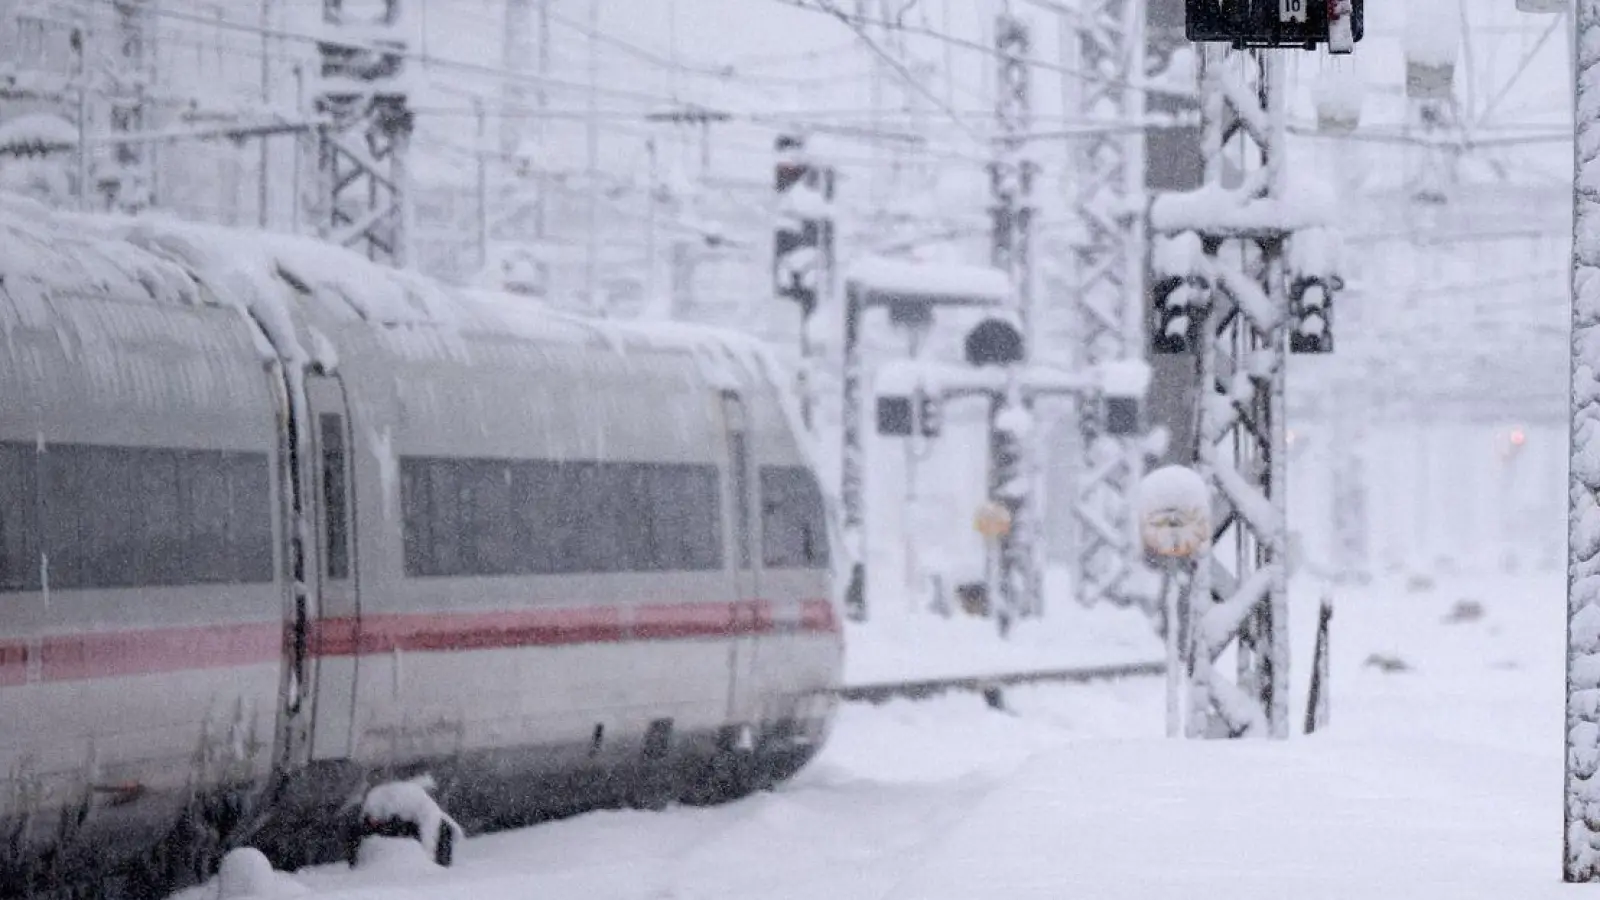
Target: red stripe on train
{"x":153,"y":651}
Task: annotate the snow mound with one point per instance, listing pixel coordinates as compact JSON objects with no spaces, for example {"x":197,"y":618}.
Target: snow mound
{"x":245,"y":874}
{"x":407,"y":801}
{"x":395,"y":856}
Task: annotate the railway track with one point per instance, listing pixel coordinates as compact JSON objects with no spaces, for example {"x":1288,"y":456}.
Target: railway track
{"x":992,"y":686}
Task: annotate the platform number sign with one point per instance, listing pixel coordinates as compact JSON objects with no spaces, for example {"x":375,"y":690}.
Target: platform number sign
{"x":1292,"y":10}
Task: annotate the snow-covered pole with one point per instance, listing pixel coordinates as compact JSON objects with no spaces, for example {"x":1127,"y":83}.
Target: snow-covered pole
{"x":1011,"y":183}
{"x":802,"y":256}
{"x":851,"y":453}
{"x":1582,"y":819}
{"x":361,"y":157}
{"x":1174,"y":523}
{"x":1016,"y":568}
{"x":126,"y":184}
{"x":1107,"y":287}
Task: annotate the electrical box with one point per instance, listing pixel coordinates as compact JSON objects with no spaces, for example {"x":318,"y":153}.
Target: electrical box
{"x":895,"y":416}
{"x":1303,"y":24}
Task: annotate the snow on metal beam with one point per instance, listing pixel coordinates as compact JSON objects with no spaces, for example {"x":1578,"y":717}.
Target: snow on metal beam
{"x":895,"y":279}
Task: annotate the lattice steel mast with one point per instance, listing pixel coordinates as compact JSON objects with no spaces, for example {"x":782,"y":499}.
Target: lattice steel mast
{"x":125,"y":182}
{"x":1262,"y":289}
{"x":362,"y":153}
{"x":1107,"y":286}
{"x":1012,"y":475}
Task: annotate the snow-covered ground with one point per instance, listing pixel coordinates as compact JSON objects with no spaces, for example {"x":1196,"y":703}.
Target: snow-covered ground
{"x":1439,"y":777}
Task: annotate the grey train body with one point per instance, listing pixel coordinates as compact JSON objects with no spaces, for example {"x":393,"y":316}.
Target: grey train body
{"x":282,"y":524}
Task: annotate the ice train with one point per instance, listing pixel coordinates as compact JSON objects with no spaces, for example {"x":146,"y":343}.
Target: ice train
{"x":280,"y":524}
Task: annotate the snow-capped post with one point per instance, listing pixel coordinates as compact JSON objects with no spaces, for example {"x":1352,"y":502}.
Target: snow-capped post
{"x":1011,"y":175}
{"x":907,"y":291}
{"x":802,"y":252}
{"x":362,"y":152}
{"x":1243,"y":235}
{"x":1173,"y":509}
{"x":1107,"y":288}
{"x":1582,"y":802}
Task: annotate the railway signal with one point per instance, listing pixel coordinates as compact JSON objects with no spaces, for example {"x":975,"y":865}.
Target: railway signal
{"x":803,"y":236}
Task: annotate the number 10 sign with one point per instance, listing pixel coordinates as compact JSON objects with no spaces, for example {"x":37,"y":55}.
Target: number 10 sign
{"x":1292,"y":10}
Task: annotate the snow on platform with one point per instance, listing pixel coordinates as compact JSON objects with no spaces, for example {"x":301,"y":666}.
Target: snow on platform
{"x":898,"y":645}
{"x":1439,"y":777}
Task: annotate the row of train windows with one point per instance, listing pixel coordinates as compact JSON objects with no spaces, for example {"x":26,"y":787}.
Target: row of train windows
{"x":104,"y":517}
{"x":108,"y":517}
{"x":504,"y":517}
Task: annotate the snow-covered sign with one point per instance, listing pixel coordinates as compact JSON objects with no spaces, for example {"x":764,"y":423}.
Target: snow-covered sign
{"x":945,"y":283}
{"x":1432,"y":43}
{"x":1338,"y":98}
{"x":1173,"y":506}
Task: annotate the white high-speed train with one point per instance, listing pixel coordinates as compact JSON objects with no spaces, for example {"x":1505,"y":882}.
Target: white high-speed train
{"x":280,"y":524}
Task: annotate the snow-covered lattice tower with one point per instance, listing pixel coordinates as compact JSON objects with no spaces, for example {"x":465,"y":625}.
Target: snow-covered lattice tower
{"x":125,"y":181}
{"x":361,"y":155}
{"x":1011,"y":174}
{"x":1107,"y":285}
{"x":1582,"y":819}
{"x":1240,"y":250}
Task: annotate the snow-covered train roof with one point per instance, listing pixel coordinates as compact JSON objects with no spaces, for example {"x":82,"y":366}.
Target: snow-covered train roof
{"x":41,"y":254}
{"x":267,"y":274}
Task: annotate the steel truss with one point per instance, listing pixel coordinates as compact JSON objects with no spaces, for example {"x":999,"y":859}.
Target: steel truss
{"x":1107,"y":291}
{"x":362,"y":154}
{"x":1243,"y":241}
{"x":126,"y":183}
{"x":1011,"y":174}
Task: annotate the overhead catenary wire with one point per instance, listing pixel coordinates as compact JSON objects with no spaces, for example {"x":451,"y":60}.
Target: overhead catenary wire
{"x":426,"y":59}
{"x":825,"y":7}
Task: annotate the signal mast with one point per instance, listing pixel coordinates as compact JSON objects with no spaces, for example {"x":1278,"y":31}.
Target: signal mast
{"x":1242,"y":282}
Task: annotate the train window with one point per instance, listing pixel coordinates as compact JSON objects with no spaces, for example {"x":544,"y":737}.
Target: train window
{"x":19,"y":518}
{"x":335,"y":495}
{"x":794,"y":527}
{"x":510,"y":517}
{"x":136,"y":516}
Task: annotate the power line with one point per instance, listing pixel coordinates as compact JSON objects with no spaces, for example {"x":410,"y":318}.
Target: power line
{"x":825,"y":7}
{"x":900,"y":70}
{"x":426,"y":59}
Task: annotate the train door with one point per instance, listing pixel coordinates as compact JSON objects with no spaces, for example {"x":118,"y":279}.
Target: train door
{"x":336,"y":624}
{"x":744,"y":691}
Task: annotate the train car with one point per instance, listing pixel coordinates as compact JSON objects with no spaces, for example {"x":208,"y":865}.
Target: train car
{"x":554,"y":564}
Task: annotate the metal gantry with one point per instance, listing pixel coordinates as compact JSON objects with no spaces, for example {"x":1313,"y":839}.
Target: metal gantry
{"x":1107,"y":287}
{"x":362,"y":152}
{"x":1011,"y":175}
